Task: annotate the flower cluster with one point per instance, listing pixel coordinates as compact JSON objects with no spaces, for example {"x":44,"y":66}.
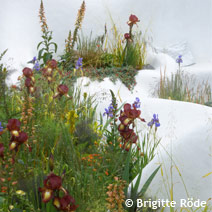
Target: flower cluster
{"x":52,"y":186}
{"x":116,"y":195}
{"x":127,"y":117}
{"x":30,"y":80}
{"x":92,"y":159}
{"x":17,"y":137}
{"x":154,"y":121}
{"x":47,"y":71}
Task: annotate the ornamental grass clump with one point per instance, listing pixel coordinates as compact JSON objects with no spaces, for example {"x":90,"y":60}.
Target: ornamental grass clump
{"x":184,"y":87}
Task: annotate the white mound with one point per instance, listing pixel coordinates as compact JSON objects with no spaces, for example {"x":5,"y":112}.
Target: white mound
{"x":185,"y":151}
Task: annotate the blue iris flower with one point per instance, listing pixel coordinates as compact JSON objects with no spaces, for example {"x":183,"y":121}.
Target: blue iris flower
{"x":79,"y":63}
{"x":155,"y":121}
{"x":36,"y":66}
{"x":179,"y":59}
{"x":1,"y":128}
{"x":137,"y":103}
{"x":109,"y":111}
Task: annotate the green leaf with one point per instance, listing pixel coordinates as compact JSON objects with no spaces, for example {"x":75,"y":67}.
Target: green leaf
{"x":148,"y":182}
{"x":125,"y":175}
{"x":39,"y":45}
{"x":40,"y":53}
{"x":55,"y":46}
{"x":46,"y":57}
{"x":2,"y":199}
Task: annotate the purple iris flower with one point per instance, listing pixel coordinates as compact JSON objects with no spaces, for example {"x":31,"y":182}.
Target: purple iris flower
{"x":79,"y":63}
{"x":34,"y":59}
{"x":1,"y":128}
{"x":179,"y":59}
{"x":155,"y":121}
{"x":36,"y":66}
{"x":109,"y":111}
{"x":137,"y":103}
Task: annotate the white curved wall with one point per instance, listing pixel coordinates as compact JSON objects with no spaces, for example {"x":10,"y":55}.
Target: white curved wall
{"x":168,"y":21}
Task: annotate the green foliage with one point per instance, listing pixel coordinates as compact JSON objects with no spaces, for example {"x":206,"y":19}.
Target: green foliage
{"x":46,"y":52}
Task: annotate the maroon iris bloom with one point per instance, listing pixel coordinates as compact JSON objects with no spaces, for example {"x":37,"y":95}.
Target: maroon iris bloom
{"x":66,"y":203}
{"x":1,"y":150}
{"x":14,"y":126}
{"x":62,"y":89}
{"x":52,"y":63}
{"x":15,"y":142}
{"x":131,"y":113}
{"x":133,"y":19}
{"x":27,"y":72}
{"x":51,"y":183}
{"x":28,"y":82}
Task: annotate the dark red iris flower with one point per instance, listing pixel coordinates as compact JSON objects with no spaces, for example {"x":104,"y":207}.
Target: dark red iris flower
{"x":51,"y":183}
{"x":14,"y":126}
{"x":1,"y":150}
{"x":133,"y":19}
{"x":16,"y":141}
{"x":28,"y":82}
{"x":66,"y":203}
{"x":52,"y":63}
{"x":27,"y":72}
{"x":62,"y":89}
{"x":131,"y":113}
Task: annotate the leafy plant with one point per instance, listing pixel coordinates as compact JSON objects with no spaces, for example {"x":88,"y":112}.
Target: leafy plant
{"x":46,"y":52}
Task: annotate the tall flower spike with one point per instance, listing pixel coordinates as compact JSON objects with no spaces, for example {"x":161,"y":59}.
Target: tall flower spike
{"x":78,"y":24}
{"x":43,"y":22}
{"x":68,"y":42}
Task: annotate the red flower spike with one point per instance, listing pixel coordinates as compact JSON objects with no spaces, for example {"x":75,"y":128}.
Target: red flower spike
{"x":27,"y":72}
{"x":1,"y":150}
